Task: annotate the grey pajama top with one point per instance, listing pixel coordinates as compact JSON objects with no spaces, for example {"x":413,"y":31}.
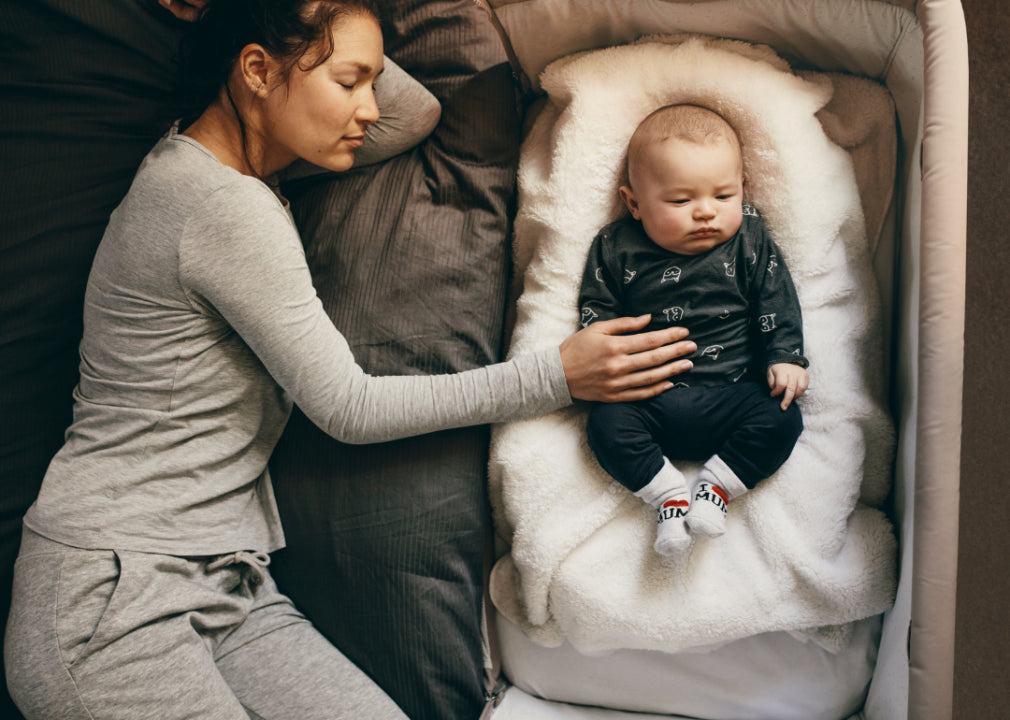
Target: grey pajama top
{"x":202,"y":327}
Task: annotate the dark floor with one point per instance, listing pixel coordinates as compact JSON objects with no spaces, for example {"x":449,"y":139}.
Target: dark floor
{"x":981,"y":685}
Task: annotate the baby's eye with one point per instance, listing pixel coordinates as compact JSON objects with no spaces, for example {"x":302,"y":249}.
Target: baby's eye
{"x":680,"y":201}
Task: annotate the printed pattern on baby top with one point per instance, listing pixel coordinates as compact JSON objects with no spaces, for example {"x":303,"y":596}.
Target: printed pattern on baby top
{"x":737,"y":300}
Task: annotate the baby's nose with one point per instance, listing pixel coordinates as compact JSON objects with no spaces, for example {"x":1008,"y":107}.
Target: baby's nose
{"x":704,"y":208}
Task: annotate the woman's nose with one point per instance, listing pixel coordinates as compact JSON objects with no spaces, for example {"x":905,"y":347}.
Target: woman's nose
{"x":368,"y":110}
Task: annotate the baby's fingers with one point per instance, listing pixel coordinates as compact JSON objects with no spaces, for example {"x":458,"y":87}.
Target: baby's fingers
{"x":775,"y":383}
{"x":790,"y":393}
{"x":782,"y":382}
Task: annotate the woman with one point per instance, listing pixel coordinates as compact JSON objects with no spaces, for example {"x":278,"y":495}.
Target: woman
{"x":141,"y":589}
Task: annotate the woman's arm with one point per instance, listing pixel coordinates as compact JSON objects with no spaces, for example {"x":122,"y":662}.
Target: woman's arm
{"x":242,"y":257}
{"x":408,"y":113}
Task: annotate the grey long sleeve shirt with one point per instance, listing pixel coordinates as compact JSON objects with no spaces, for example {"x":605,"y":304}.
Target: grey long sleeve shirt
{"x":201,"y":328}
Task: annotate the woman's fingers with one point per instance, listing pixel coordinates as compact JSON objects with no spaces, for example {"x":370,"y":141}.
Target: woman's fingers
{"x":638,"y":393}
{"x":602,"y":362}
{"x":644,"y":384}
{"x":621,"y":325}
{"x":661,"y":356}
{"x":188,"y":10}
{"x":646,"y":350}
{"x":640,"y":341}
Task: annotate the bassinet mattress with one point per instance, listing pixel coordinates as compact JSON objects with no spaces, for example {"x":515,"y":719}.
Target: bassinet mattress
{"x":771,"y":675}
{"x":807,"y":551}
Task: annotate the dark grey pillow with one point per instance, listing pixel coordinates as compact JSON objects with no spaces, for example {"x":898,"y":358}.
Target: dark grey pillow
{"x":410,"y":259}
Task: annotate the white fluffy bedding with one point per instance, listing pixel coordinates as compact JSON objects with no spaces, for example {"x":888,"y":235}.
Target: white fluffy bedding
{"x":806,"y":551}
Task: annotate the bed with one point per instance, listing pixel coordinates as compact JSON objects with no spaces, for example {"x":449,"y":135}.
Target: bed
{"x":389,"y":546}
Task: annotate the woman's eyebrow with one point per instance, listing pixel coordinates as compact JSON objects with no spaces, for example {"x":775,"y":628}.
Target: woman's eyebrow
{"x":362,"y":68}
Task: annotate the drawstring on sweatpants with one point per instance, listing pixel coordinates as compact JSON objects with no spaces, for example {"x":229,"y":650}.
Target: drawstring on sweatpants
{"x":256,"y":561}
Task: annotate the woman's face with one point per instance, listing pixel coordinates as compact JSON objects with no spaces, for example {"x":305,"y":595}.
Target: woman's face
{"x":321,"y":114}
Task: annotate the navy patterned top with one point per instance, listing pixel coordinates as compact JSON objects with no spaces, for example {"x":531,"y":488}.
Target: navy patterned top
{"x":737,"y":300}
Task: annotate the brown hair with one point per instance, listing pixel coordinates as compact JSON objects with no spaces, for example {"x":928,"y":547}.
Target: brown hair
{"x":287,"y":29}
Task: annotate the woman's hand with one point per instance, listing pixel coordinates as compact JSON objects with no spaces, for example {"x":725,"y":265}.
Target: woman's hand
{"x":603,"y":363}
{"x":788,"y":380}
{"x":188,"y":10}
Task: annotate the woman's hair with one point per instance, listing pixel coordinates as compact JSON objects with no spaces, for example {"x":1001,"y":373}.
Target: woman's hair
{"x":286,"y":29}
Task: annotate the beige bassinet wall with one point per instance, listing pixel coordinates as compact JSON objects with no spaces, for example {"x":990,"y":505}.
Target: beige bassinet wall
{"x":929,"y":332}
{"x":982,"y":629}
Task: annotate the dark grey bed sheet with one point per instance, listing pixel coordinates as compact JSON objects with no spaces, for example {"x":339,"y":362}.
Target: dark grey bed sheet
{"x":385,"y":542}
{"x":84,"y":94}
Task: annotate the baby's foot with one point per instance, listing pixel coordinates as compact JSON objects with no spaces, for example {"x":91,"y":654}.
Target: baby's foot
{"x":671,"y":532}
{"x":707,"y":515}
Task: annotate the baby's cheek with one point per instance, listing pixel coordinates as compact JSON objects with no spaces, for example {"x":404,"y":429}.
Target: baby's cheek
{"x":736,"y":219}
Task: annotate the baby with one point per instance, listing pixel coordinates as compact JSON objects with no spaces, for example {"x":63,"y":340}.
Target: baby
{"x":693,"y":254}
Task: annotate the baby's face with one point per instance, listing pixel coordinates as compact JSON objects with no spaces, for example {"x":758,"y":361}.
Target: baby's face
{"x":689,"y":197}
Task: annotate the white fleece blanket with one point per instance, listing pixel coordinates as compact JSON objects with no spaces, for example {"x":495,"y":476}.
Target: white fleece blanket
{"x":806,"y":551}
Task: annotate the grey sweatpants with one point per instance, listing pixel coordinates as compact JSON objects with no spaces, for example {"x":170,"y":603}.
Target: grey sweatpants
{"x":113,"y":634}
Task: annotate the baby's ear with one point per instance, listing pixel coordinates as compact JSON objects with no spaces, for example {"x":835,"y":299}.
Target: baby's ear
{"x":628,"y":196}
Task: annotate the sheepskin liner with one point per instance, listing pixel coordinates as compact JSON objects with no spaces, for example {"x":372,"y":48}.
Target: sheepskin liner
{"x":808,"y":551}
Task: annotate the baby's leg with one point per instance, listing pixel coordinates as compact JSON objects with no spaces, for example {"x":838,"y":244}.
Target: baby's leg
{"x":761,"y":436}
{"x":622,"y":435}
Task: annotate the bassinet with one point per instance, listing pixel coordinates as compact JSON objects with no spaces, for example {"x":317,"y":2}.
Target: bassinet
{"x":918,"y":52}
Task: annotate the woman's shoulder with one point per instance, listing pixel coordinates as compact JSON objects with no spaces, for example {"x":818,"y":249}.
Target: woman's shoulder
{"x":180,"y":180}
{"x":179,"y":162}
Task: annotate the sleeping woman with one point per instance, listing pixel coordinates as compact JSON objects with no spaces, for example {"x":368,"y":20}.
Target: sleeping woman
{"x":142,"y":587}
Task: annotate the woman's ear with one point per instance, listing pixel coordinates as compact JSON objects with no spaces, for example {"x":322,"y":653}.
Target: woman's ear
{"x":253,"y":67}
{"x":628,"y":196}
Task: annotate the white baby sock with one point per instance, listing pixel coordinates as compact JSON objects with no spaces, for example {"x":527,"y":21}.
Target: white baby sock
{"x":715,"y":487}
{"x":668,"y":493}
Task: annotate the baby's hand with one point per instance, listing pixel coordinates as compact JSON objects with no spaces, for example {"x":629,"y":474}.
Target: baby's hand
{"x":789,"y":379}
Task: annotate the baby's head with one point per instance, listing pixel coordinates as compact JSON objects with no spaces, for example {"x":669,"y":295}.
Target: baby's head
{"x":685,"y":179}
